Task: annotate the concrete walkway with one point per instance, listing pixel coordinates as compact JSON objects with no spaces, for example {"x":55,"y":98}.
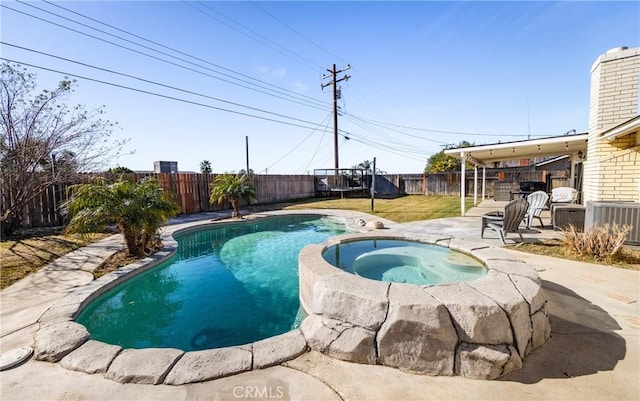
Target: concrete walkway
{"x":594,"y":352}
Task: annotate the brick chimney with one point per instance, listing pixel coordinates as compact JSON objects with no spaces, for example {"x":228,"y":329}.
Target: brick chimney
{"x":611,"y":167}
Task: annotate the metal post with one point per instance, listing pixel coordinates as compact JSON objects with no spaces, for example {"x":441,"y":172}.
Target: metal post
{"x":373,"y":184}
{"x":246,"y":142}
{"x":463,"y":179}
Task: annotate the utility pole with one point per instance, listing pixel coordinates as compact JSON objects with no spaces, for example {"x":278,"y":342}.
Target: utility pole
{"x":334,"y":82}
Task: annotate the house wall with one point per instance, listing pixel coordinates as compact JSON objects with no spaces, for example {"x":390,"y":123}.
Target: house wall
{"x":612,"y":168}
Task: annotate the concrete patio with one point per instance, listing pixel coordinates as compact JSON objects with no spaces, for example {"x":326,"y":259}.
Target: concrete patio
{"x":594,"y":351}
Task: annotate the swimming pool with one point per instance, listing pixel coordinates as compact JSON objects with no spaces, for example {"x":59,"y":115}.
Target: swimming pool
{"x":401,"y":261}
{"x":227,"y":285}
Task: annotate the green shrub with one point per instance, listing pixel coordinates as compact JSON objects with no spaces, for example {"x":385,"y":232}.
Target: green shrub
{"x":599,"y":242}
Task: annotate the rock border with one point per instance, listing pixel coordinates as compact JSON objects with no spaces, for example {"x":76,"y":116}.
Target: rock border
{"x":60,"y":339}
{"x":481,"y":329}
{"x":400,"y":325}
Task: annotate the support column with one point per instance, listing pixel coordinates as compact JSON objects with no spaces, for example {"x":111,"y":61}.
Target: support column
{"x":572,"y":173}
{"x":475,"y":185}
{"x":484,"y":180}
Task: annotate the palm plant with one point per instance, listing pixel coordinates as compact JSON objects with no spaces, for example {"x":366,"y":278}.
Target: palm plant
{"x":232,"y":188}
{"x":138,"y":210}
{"x":205,"y":167}
{"x":365,"y":165}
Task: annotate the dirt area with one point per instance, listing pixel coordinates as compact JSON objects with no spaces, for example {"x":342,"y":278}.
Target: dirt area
{"x":28,"y":252}
{"x":114,"y":262}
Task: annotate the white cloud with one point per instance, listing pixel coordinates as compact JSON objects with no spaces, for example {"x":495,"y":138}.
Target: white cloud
{"x":300,"y":87}
{"x":267,"y":72}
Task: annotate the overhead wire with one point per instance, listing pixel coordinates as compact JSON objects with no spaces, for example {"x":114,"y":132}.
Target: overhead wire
{"x":164,"y":96}
{"x":255,"y":4}
{"x":301,"y":99}
{"x":155,"y":83}
{"x":381,"y":123}
{"x":315,"y":153}
{"x":386,"y":136}
{"x":298,"y":144}
{"x":181,"y":52}
{"x":365,"y":123}
{"x":301,"y":60}
{"x":355,"y":70}
{"x":384,"y":147}
{"x":392,"y":142}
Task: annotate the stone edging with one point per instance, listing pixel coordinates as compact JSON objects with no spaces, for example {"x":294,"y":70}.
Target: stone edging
{"x":343,"y":323}
{"x":60,"y":339}
{"x":480,"y":329}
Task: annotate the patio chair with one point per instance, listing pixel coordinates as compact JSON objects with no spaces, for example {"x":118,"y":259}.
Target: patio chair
{"x":537,"y":203}
{"x":510,"y":222}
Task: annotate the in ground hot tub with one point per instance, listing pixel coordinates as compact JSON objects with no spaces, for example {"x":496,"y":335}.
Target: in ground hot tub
{"x":401,"y":261}
{"x":481,"y":327}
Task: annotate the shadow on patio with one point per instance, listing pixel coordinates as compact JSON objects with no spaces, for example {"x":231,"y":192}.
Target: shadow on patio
{"x":583,"y":340}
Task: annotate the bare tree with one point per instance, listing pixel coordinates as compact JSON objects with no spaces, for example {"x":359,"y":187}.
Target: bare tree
{"x":44,"y":141}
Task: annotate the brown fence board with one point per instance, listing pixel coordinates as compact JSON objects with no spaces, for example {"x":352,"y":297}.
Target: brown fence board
{"x":191,"y":191}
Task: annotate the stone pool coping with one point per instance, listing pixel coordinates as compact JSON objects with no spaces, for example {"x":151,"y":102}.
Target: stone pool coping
{"x":480,"y":329}
{"x":60,"y":339}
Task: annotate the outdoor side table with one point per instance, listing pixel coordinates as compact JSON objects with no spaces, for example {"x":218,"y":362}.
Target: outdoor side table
{"x":564,"y":215}
{"x":487,"y":218}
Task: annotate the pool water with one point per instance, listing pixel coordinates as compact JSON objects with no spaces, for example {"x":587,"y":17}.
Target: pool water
{"x":404,"y":262}
{"x":227,"y":285}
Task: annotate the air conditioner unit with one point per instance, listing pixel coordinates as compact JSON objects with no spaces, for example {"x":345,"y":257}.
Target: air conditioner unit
{"x":602,"y":212}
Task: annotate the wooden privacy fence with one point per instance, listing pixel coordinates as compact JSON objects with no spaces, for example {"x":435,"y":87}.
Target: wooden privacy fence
{"x":191,"y":191}
{"x":448,"y":183}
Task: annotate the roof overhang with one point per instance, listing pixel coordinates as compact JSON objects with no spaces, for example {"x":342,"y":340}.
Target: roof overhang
{"x":543,"y":147}
{"x":627,"y":127}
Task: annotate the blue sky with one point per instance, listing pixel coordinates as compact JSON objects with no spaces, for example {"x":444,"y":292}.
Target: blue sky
{"x":424,"y":74}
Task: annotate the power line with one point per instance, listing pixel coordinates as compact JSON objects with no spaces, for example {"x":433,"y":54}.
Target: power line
{"x":181,"y":52}
{"x":307,"y":63}
{"x":361,"y":75}
{"x":166,"y":96}
{"x":315,"y":153}
{"x":313,"y":103}
{"x":384,"y":147}
{"x":372,"y":128}
{"x":334,"y":82}
{"x":155,"y":83}
{"x":297,"y":145}
{"x":381,"y":123}
{"x":294,"y":30}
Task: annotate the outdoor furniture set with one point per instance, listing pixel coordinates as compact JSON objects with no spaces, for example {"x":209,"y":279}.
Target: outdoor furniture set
{"x":562,"y":207}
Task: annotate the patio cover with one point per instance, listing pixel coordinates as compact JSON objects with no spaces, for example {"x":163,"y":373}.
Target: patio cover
{"x":622,"y":129}
{"x":484,"y":155}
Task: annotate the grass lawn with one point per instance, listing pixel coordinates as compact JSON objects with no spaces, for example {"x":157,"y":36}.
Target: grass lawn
{"x":400,"y":210}
{"x":24,"y":255}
